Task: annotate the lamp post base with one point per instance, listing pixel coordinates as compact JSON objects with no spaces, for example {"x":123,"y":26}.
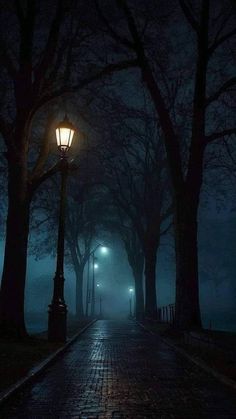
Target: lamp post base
{"x":57,"y":327}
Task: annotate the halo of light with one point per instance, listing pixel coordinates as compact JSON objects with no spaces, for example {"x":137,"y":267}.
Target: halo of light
{"x":104,"y":250}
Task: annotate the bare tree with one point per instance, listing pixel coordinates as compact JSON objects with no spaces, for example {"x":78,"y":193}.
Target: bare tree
{"x":137,"y":178}
{"x":189,"y":74}
{"x":40,"y":61}
{"x":85,"y":217}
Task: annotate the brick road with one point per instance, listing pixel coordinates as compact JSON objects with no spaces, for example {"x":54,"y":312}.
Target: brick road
{"x":118,"y":370}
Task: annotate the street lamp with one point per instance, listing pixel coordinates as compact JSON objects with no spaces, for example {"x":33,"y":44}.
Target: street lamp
{"x":88,"y":296}
{"x":64,"y":134}
{"x":100,"y":300}
{"x":104,"y":250}
{"x":57,"y":309}
{"x":94,"y":266}
{"x":131,"y":291}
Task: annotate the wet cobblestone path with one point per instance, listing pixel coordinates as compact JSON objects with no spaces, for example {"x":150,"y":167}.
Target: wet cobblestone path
{"x":118,"y":370}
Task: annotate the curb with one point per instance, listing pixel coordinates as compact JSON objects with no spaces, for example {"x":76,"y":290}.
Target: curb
{"x":221,"y":377}
{"x":39,"y":368}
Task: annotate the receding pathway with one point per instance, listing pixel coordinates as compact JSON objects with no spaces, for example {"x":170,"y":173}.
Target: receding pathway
{"x":118,"y":370}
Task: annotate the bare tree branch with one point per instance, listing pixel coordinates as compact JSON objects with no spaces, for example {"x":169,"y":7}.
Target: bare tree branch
{"x":171,"y":140}
{"x":189,"y":16}
{"x":34,"y":184}
{"x":218,"y":135}
{"x":220,"y":41}
{"x":106,"y":71}
{"x":50,"y":48}
{"x":223,"y":89}
{"x":44,"y":151}
{"x":118,"y":38}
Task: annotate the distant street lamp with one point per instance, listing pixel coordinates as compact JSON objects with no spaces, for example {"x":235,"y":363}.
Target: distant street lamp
{"x":131,"y":291}
{"x":104,"y":250}
{"x":57,"y":309}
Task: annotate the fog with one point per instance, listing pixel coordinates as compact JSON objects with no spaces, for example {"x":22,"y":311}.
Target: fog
{"x":217,"y":251}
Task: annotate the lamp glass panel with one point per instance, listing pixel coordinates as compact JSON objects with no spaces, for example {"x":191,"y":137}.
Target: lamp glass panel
{"x":64,"y":137}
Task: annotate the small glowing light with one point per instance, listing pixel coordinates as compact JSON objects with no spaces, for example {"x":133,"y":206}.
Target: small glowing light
{"x":95,"y":266}
{"x":104,"y":250}
{"x":131,"y":290}
{"x":98,"y":285}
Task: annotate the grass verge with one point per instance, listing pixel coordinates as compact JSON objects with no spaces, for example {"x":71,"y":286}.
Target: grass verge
{"x":215,"y":348}
{"x":18,"y":357}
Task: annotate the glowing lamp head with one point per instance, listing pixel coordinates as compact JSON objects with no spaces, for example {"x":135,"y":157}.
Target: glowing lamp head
{"x":98,"y":285}
{"x":64,"y":134}
{"x":131,"y":290}
{"x":95,"y":266}
{"x":104,"y":250}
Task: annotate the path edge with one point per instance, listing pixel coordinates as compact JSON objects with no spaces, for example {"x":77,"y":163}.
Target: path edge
{"x":221,"y":377}
{"x":39,"y":368}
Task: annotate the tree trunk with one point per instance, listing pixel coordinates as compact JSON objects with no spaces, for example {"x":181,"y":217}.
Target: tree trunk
{"x":79,"y":294}
{"x":150,"y":280}
{"x":139,"y":297}
{"x":187,"y":292}
{"x":15,"y":260}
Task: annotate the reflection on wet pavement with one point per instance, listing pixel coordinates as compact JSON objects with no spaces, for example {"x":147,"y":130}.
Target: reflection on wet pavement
{"x":118,"y":370}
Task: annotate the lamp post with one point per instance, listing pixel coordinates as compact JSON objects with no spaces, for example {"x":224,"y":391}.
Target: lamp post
{"x":88,"y":288}
{"x":57,"y":309}
{"x":131,"y":290}
{"x":95,"y":266}
{"x":100,"y":300}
